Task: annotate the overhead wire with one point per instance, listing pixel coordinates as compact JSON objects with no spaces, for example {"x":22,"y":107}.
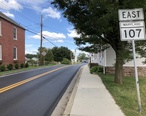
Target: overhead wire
{"x":29,"y":29}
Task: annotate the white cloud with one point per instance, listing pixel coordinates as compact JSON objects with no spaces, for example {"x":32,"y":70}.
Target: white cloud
{"x":36,"y":2}
{"x":73,"y":33}
{"x":53,"y":13}
{"x":37,"y":5}
{"x":9,"y":14}
{"x":10,"y":4}
{"x":30,"y":49}
{"x":53,"y":35}
{"x":60,"y":41}
{"x":56,"y":37}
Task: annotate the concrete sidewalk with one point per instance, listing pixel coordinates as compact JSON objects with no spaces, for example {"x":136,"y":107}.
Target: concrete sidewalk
{"x":92,"y":98}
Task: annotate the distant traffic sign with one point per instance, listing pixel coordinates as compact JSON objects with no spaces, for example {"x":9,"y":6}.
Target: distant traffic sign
{"x":44,"y":53}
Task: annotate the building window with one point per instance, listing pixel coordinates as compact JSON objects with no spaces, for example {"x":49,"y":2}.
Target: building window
{"x":0,"y":52}
{"x":15,"y":33}
{"x":15,"y":53}
{"x":0,"y":28}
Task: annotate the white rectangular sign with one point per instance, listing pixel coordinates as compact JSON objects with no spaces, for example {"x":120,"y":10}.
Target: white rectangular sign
{"x":132,"y":24}
{"x":132,"y":33}
{"x":131,"y":14}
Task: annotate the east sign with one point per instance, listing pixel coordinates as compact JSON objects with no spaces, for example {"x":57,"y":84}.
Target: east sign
{"x":131,"y":14}
{"x":131,"y":23}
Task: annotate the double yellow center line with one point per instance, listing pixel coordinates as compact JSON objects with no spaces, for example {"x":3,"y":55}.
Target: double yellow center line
{"x":27,"y":80}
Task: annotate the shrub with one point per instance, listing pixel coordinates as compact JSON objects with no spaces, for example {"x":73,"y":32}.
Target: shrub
{"x":26,"y":65}
{"x":10,"y":66}
{"x":2,"y":68}
{"x":93,"y":69}
{"x":100,"y":69}
{"x":65,"y":61}
{"x":52,"y":62}
{"x":22,"y":65}
{"x":16,"y":66}
{"x":96,"y":69}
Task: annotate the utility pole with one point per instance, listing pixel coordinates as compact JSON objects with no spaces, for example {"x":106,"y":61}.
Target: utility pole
{"x":41,"y":40}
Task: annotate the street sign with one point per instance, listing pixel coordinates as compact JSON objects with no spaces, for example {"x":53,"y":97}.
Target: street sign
{"x":44,"y":53}
{"x":131,"y":14}
{"x":132,"y":30}
{"x":131,"y":23}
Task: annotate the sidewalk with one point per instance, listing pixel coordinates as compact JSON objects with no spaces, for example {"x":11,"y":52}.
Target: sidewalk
{"x":92,"y":98}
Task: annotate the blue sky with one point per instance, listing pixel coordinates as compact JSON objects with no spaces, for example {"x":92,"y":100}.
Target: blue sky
{"x":55,"y":27}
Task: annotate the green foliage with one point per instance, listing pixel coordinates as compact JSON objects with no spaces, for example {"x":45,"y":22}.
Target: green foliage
{"x":10,"y":66}
{"x":96,"y":69}
{"x":60,"y":53}
{"x":30,"y":56}
{"x":65,"y":61}
{"x":98,"y":24}
{"x":82,"y":56}
{"x":49,"y":56}
{"x":22,"y":65}
{"x":16,"y":66}
{"x":53,"y":63}
{"x":2,"y":67}
{"x":26,"y":65}
{"x":100,"y":69}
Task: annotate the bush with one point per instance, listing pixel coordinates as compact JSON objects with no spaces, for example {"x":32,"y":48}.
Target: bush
{"x":65,"y":61}
{"x":93,"y":69}
{"x":52,"y":62}
{"x":96,"y":69}
{"x":100,"y":69}
{"x":10,"y":66}
{"x":22,"y":65}
{"x":26,"y":65}
{"x":2,"y":68}
{"x":16,"y":66}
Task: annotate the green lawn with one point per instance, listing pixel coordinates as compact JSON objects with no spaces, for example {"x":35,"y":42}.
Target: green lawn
{"x":125,"y":95}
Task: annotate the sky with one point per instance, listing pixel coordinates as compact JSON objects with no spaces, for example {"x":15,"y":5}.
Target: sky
{"x":56,"y":29}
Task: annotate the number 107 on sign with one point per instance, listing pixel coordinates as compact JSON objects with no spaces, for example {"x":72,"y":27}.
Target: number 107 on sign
{"x":132,"y":33}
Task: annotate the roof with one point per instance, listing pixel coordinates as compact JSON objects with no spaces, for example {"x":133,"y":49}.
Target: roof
{"x":10,"y":20}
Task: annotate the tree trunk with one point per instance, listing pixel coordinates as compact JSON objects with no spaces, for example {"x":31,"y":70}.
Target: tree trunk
{"x":119,"y":68}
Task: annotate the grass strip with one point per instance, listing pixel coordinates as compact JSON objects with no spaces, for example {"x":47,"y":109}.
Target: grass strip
{"x":125,"y":95}
{"x":6,"y":72}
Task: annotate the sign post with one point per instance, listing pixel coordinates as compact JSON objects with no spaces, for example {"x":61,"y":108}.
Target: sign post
{"x":132,"y":28}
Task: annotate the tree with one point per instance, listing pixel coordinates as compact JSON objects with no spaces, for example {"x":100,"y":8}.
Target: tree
{"x":97,"y":22}
{"x":30,"y":56}
{"x":60,"y":53}
{"x":49,"y":56}
{"x":82,"y":56}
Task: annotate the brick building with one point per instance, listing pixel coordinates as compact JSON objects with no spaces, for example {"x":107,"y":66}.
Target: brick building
{"x":12,"y":41}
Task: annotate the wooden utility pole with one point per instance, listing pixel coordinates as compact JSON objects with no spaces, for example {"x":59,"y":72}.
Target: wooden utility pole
{"x":41,"y":41}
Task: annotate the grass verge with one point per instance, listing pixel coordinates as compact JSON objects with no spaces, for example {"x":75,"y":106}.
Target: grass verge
{"x":125,"y":95}
{"x":21,"y":70}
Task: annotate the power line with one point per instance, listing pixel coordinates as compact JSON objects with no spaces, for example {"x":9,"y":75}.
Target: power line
{"x":50,"y":41}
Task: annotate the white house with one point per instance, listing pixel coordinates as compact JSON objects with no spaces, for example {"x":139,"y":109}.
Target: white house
{"x":107,"y":60}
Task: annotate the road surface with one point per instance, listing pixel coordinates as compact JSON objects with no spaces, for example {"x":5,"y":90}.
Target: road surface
{"x":35,"y":92}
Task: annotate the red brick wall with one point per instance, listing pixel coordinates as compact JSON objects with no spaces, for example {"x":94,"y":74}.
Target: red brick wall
{"x":8,"y":43}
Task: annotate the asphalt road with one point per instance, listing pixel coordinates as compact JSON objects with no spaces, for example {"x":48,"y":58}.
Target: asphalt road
{"x":35,"y":92}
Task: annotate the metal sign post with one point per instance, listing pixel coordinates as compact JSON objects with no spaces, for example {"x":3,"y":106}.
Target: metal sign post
{"x":136,"y":77}
{"x":132,"y":27}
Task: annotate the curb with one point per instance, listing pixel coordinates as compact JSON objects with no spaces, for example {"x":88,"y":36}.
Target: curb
{"x":64,"y":106}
